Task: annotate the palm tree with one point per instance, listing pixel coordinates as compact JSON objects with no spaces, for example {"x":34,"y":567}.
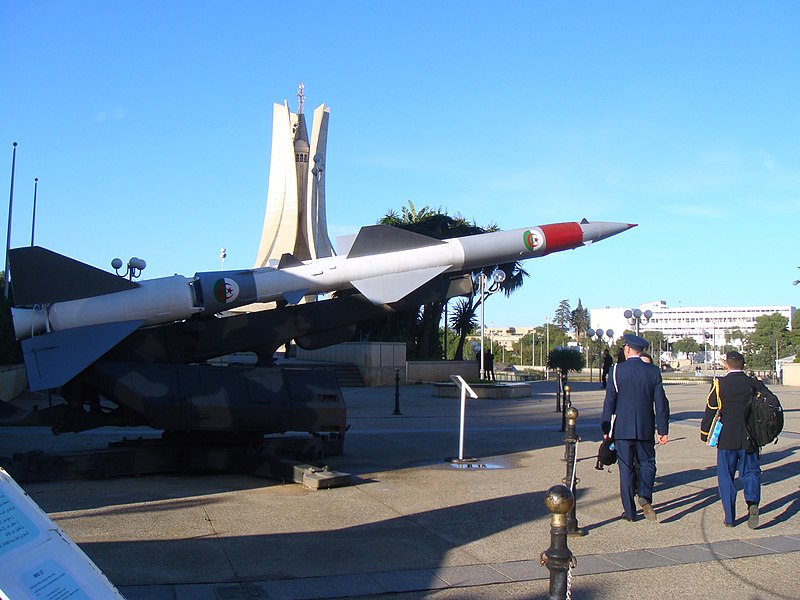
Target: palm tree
{"x":425,"y":341}
{"x":464,"y":322}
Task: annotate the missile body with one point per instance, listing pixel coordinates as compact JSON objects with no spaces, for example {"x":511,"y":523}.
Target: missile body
{"x":384,"y":264}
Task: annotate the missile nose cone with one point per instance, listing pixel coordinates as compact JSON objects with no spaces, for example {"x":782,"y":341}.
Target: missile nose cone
{"x":600,"y":230}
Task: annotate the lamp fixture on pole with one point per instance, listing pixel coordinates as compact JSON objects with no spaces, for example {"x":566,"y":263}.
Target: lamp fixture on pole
{"x":638,"y":318}
{"x":597,"y":334}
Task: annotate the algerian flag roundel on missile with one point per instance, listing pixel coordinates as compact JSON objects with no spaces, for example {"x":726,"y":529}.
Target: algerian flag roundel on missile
{"x":226,"y":290}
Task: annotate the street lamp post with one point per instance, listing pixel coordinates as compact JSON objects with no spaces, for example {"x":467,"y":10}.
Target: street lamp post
{"x":497,"y":277}
{"x":547,"y":351}
{"x":597,"y":335}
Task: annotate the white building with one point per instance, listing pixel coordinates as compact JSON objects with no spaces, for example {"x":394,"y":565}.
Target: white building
{"x":706,"y":324}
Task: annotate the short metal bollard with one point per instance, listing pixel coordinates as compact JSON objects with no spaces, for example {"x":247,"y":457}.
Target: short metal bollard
{"x":564,"y":406}
{"x":397,"y":392}
{"x":571,"y":480}
{"x":557,"y":558}
{"x":558,"y":397}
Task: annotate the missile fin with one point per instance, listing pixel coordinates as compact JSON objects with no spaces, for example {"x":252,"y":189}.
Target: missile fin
{"x":379,"y":239}
{"x":52,"y":359}
{"x":41,"y":276}
{"x":289,"y":260}
{"x":344,"y":243}
{"x":393,"y":287}
{"x":295,"y":296}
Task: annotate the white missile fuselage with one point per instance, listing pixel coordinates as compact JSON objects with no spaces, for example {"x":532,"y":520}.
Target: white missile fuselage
{"x":384,"y":264}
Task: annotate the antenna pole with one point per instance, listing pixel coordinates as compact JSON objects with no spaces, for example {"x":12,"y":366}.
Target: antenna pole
{"x":33,"y":221}
{"x":10,"y":206}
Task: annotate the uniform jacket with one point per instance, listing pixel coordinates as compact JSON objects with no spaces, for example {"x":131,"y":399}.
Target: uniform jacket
{"x":736,"y":390}
{"x":634,"y":390}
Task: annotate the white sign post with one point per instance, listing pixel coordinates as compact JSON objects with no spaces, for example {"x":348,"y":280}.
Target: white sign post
{"x":465,"y":389}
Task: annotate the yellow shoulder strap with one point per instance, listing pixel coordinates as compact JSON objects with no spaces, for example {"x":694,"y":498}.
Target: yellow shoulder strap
{"x":715,"y":390}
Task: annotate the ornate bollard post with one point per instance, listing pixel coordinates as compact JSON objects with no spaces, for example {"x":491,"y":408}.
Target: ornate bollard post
{"x":558,"y":396}
{"x":397,"y":392}
{"x":564,"y":406}
{"x":571,"y":440}
{"x":557,"y":558}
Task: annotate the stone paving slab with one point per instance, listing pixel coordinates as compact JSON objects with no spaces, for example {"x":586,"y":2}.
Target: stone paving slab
{"x":779,"y":543}
{"x":522,"y":570}
{"x":691,"y":553}
{"x":737,"y":549}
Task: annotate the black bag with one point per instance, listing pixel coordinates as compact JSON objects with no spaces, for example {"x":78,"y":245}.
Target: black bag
{"x":606,"y":454}
{"x":763,"y":416}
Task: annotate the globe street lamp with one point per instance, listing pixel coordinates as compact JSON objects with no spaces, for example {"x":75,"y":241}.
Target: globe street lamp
{"x":598,"y":335}
{"x":638,"y":318}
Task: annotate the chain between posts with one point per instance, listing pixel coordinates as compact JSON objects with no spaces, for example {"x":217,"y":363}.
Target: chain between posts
{"x":571,"y":440}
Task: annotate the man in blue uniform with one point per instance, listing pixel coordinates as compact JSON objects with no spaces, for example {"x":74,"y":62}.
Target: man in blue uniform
{"x":730,"y":395}
{"x":635,"y":405}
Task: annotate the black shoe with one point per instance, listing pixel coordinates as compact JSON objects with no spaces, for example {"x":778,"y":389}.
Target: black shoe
{"x":752,"y":519}
{"x":727,"y":524}
{"x":625,"y":517}
{"x":648,"y":511}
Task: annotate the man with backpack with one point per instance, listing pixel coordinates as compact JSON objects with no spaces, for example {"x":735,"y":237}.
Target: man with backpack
{"x":732,"y":396}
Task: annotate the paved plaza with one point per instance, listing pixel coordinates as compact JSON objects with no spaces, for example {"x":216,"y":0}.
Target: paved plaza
{"x":415,"y":526}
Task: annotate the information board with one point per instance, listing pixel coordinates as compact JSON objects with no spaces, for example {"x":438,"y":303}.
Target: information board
{"x":38,"y":561}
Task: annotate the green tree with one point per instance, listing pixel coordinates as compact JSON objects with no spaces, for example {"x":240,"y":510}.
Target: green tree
{"x":686,"y":345}
{"x":565,"y":360}
{"x":563,"y":315}
{"x":558,"y":337}
{"x":522,"y":347}
{"x":770,"y":340}
{"x":463,"y":322}
{"x":579,"y":319}
{"x":793,"y":337}
{"x":657,"y":341}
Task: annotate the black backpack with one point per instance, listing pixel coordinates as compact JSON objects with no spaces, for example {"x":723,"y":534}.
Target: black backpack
{"x":763,"y":416}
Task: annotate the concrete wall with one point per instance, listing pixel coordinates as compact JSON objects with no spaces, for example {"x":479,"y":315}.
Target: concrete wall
{"x":377,"y":361}
{"x":426,"y":371}
{"x":791,"y":374}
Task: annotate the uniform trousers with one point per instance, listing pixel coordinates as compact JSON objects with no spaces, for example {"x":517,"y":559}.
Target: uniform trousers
{"x":645,"y":452}
{"x":728,"y":461}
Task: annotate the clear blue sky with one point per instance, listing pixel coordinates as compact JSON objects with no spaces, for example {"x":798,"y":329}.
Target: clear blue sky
{"x":148,"y":124}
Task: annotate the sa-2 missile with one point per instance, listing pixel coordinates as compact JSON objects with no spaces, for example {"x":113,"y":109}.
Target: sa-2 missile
{"x":96,"y":309}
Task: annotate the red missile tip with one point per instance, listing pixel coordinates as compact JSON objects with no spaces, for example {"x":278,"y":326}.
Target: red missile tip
{"x":632,"y":225}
